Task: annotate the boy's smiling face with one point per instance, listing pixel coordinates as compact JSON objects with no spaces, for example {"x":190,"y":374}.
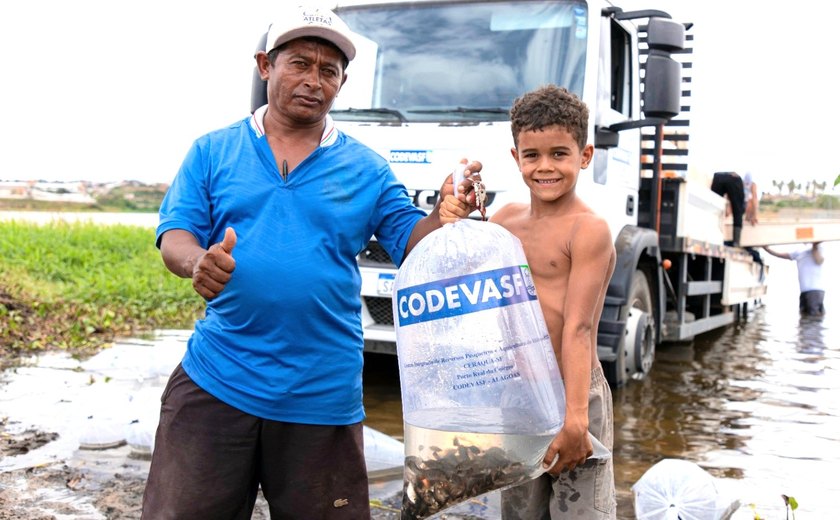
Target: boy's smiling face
{"x":550,"y":161}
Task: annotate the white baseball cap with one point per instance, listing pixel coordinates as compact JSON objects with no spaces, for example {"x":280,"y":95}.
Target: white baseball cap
{"x":302,"y":21}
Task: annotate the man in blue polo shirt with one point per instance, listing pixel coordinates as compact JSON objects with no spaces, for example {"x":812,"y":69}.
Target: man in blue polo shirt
{"x":266,"y":217}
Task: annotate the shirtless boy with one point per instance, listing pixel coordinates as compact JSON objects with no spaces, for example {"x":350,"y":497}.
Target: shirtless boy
{"x":571,"y":256}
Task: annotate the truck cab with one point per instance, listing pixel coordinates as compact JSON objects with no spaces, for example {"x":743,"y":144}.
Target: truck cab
{"x":433,"y":82}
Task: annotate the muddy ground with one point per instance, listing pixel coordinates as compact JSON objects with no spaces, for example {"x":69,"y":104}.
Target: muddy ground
{"x":37,"y":483}
{"x":98,"y":484}
{"x":40,"y":483}
{"x":108,"y":484}
{"x":90,"y":486}
{"x":83,"y":488}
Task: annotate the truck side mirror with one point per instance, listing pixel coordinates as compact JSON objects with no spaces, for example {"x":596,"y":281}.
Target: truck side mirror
{"x":662,"y":83}
{"x":605,"y":137}
{"x":662,"y":73}
{"x":259,"y":94}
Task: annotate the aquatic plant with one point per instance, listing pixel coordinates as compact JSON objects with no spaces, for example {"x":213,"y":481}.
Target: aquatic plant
{"x":790,"y":507}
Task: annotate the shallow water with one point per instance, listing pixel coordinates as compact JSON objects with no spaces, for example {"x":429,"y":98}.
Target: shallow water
{"x":756,"y":405}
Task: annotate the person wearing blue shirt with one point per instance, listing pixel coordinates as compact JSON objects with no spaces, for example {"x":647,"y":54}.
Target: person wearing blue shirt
{"x":266,"y":217}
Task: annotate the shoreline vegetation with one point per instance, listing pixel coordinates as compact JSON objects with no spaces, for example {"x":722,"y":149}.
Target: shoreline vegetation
{"x":78,"y":286}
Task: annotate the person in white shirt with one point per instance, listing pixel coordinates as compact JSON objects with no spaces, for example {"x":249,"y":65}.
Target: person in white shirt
{"x":809,"y":262}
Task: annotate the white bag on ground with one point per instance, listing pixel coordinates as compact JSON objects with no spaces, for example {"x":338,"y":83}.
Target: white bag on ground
{"x":678,"y":489}
{"x":482,"y":394}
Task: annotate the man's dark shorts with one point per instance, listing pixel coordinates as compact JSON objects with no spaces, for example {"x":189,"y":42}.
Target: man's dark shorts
{"x":811,"y":303}
{"x":210,"y":460}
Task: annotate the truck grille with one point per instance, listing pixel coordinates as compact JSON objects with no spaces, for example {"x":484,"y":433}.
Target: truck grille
{"x":380,"y":310}
{"x":374,"y":255}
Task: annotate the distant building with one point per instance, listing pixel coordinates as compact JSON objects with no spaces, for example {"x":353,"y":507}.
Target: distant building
{"x":14,"y":189}
{"x":72,"y":192}
{"x":83,"y":192}
{"x":75,"y":192}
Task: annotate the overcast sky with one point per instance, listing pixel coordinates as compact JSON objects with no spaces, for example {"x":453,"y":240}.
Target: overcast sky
{"x":113,"y":90}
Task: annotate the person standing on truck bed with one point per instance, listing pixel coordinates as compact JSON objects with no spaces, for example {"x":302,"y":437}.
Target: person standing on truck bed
{"x":730,"y":186}
{"x":812,"y":284}
{"x":266,"y":216}
{"x":571,"y":255}
{"x":751,"y":203}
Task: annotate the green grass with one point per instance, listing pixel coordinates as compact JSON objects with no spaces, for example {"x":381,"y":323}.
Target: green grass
{"x":78,"y":286}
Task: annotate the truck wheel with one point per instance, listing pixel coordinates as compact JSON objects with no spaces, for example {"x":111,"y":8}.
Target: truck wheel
{"x":635,"y":358}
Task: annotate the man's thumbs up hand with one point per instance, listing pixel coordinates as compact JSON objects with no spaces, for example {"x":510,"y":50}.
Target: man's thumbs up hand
{"x":214,"y":269}
{"x":229,"y":242}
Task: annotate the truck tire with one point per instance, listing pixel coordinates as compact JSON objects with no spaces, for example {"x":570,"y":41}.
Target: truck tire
{"x":636,"y":354}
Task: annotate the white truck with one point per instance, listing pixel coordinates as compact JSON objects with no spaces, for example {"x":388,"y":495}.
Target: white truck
{"x":433,"y":81}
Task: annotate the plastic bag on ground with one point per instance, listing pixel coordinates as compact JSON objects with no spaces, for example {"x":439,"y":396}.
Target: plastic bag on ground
{"x":675,"y":489}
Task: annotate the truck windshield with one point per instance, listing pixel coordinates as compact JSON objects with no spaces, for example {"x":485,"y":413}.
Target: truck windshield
{"x":451,"y":62}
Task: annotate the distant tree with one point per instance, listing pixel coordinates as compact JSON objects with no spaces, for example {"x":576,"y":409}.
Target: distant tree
{"x":780,"y":185}
{"x":820,"y":186}
{"x":814,"y":187}
{"x":837,"y":180}
{"x":791,"y":185}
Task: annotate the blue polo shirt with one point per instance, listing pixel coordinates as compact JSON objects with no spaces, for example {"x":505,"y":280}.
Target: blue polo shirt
{"x":283,"y":341}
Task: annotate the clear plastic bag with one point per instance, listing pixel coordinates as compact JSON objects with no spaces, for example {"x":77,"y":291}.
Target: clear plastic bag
{"x":482,"y":393}
{"x":675,"y":489}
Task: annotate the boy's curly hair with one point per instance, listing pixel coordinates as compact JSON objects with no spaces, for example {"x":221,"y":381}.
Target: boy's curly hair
{"x":547,"y":106}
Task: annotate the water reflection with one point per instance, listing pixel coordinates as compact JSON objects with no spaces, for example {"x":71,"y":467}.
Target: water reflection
{"x":383,"y":406}
{"x":757,"y":405}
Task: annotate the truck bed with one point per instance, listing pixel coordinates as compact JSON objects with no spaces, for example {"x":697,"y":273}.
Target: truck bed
{"x":770,"y":232}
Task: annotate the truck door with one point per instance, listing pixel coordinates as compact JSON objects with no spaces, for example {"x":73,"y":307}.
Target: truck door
{"x":616,"y":169}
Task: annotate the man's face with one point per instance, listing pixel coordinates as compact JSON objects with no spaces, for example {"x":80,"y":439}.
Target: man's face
{"x":304,"y":80}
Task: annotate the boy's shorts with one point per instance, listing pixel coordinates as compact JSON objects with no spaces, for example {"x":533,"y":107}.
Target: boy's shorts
{"x":588,"y":491}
